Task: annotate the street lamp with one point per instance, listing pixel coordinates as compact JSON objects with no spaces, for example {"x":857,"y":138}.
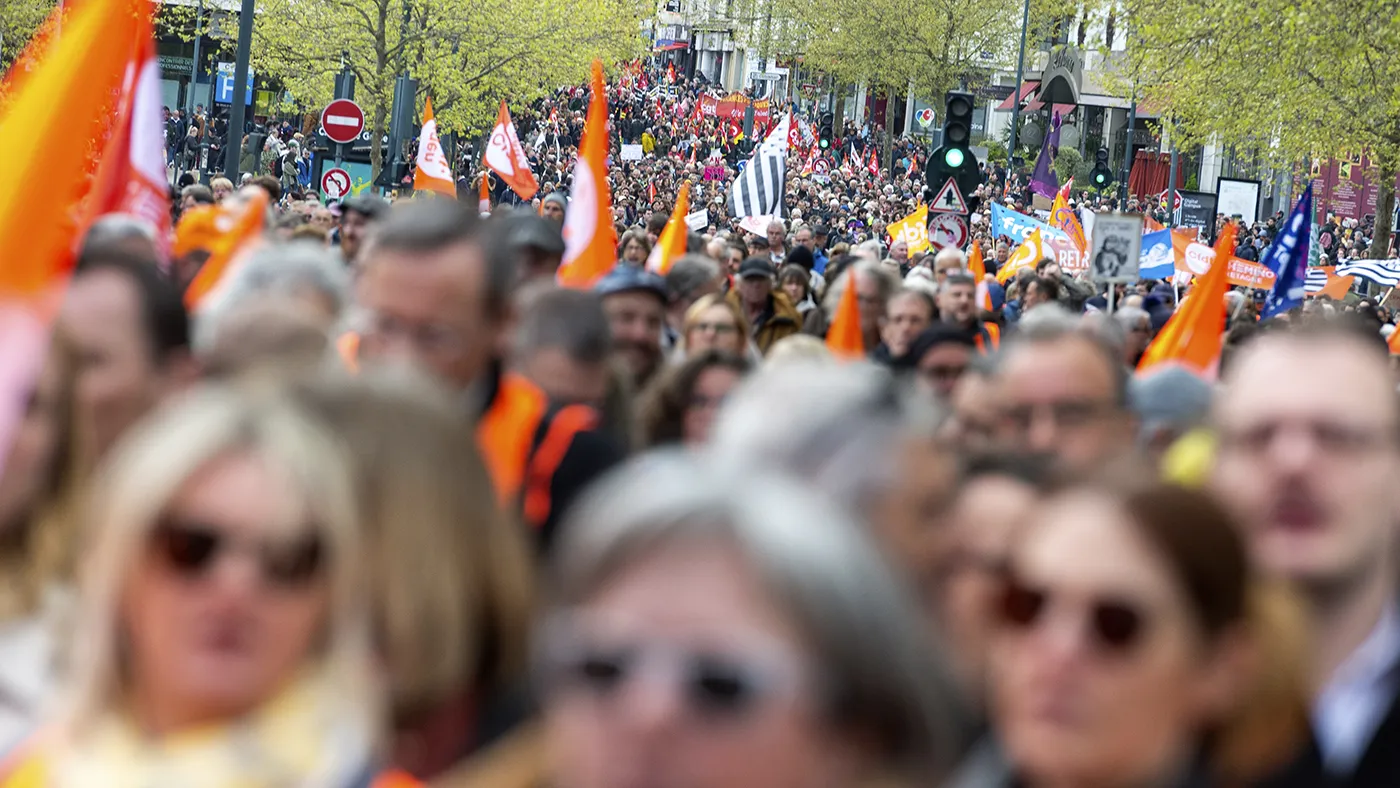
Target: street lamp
{"x":233,"y":147}
{"x":1016,"y":94}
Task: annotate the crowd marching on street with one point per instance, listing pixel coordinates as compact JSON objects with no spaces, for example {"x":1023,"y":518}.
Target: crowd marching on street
{"x":634,"y":449}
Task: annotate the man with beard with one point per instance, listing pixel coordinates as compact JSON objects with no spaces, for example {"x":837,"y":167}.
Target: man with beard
{"x":634,"y":300}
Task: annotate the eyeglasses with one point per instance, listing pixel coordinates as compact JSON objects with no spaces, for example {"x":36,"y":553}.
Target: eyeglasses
{"x":1116,"y":625}
{"x":192,"y":549}
{"x":714,"y":686}
{"x":715,"y":328}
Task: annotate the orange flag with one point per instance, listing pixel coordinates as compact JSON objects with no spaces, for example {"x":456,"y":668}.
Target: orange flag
{"x":979,"y":273}
{"x":1191,"y":338}
{"x":506,"y":156}
{"x":223,"y":231}
{"x":1027,"y":255}
{"x":483,"y":196}
{"x":1064,"y":218}
{"x":590,"y":239}
{"x":844,"y":338}
{"x":433,"y":172}
{"x":670,"y":245}
{"x":1394,"y":342}
{"x":46,"y":133}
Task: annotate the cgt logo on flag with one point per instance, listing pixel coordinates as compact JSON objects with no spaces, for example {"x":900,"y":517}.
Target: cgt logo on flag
{"x":924,"y":116}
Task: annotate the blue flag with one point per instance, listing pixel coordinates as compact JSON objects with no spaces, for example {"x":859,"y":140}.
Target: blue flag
{"x":1288,"y":258}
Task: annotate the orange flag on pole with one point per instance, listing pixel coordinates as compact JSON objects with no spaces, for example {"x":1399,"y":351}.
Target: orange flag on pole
{"x":1064,"y":218}
{"x":590,"y":239}
{"x":433,"y":172}
{"x":844,"y":338}
{"x":483,"y":194}
{"x":46,"y":133}
{"x":1027,"y":255}
{"x":670,"y":245}
{"x":979,"y":273}
{"x":1191,"y":338}
{"x":506,"y":156}
{"x":223,"y":231}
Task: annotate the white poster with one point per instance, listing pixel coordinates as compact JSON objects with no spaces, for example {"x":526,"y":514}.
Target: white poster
{"x":698,"y":220}
{"x":632,"y":152}
{"x":1116,"y":247}
{"x":1238,"y":198}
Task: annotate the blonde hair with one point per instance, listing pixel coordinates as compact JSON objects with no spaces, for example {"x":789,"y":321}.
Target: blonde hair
{"x":797,"y":349}
{"x":146,"y":471}
{"x":451,"y":577}
{"x":703,"y":304}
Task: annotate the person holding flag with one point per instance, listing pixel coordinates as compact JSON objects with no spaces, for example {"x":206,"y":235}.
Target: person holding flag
{"x":1288,"y":259}
{"x":506,"y":157}
{"x":590,"y":238}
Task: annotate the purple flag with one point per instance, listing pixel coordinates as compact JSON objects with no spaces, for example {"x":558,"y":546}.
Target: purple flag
{"x":1044,"y":181}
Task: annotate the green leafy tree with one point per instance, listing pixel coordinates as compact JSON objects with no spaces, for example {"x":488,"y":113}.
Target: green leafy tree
{"x":1291,"y":79}
{"x":466,"y":54}
{"x":19,"y":19}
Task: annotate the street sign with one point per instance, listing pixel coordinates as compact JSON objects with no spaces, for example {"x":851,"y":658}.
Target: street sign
{"x":335,"y":183}
{"x":949,"y":200}
{"x":223,"y":84}
{"x":822,"y":166}
{"x":947,"y":230}
{"x":342,"y":120}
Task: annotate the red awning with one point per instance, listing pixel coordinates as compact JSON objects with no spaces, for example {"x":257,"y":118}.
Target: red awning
{"x":1063,"y":109}
{"x":1026,"y":88}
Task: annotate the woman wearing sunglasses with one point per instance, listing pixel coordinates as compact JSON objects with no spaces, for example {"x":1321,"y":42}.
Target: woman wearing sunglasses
{"x":1130,"y":650}
{"x":722,"y":630}
{"x":220,"y":639}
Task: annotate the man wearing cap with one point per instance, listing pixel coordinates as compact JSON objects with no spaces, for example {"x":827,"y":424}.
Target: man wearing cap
{"x":537,"y":243}
{"x":769,"y":311}
{"x":634,"y":300}
{"x":357,"y":216}
{"x":554,"y":206}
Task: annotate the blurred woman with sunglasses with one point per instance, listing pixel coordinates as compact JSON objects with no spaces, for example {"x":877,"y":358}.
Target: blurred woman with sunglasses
{"x":1129,"y":650}
{"x":221,"y":638}
{"x":716,"y":629}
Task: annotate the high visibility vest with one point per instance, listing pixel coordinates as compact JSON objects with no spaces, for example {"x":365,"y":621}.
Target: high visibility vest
{"x":522,"y":461}
{"x":348,"y":346}
{"x":988,"y":338}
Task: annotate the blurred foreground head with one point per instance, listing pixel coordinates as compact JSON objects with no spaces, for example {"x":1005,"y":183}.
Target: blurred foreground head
{"x":727,"y":627}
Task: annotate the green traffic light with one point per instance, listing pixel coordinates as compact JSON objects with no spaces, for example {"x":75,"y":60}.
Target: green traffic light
{"x":1099,"y":179}
{"x":953,"y":157}
{"x":825,"y":143}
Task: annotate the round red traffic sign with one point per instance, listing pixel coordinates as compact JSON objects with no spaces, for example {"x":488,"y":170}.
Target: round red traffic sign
{"x":342,"y":120}
{"x":947,"y":230}
{"x":335,"y":183}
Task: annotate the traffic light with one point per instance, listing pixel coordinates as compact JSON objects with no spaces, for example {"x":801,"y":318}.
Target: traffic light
{"x":1102,"y":175}
{"x":827,"y":132}
{"x":954,"y":159}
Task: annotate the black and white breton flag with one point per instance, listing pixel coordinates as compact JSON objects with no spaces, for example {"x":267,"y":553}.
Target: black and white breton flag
{"x":758,"y":191}
{"x":1382,"y":272}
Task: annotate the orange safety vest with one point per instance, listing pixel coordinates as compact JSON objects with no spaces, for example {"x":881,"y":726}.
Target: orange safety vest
{"x":521,"y":469}
{"x":993,"y":338}
{"x":396,"y":779}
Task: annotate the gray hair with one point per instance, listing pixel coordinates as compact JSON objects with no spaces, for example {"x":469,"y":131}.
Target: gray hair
{"x":1130,"y":316}
{"x":420,"y":226}
{"x":1051,"y":323}
{"x":688,"y":274}
{"x":279,"y":270}
{"x":880,"y":674}
{"x":832,"y":424}
{"x":885,"y":281}
{"x":559,"y":317}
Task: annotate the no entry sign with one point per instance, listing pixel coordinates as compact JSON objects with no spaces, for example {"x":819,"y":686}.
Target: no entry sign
{"x":335,"y":183}
{"x":342,"y":120}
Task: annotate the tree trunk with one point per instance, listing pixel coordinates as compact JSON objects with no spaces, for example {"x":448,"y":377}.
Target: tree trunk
{"x":1385,"y":207}
{"x":376,"y":157}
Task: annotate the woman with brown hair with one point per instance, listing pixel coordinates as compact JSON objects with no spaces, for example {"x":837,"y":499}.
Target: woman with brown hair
{"x":1135,"y":647}
{"x":713,"y":323}
{"x":36,"y":550}
{"x":451,"y":578}
{"x":680,"y":406}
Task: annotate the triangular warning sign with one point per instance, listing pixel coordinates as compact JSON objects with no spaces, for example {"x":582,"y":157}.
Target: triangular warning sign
{"x":949,"y":200}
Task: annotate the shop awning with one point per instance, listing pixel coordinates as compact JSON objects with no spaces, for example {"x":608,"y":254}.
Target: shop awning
{"x":1027,"y":88}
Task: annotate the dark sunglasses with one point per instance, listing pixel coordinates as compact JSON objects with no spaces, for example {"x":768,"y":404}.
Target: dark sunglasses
{"x":713,"y":686}
{"x":192,"y":549}
{"x":1116,"y":625}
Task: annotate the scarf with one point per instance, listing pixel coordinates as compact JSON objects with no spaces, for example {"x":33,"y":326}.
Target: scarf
{"x":308,"y":736}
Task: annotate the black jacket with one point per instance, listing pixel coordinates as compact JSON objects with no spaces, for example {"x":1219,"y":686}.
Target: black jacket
{"x":1379,"y":766}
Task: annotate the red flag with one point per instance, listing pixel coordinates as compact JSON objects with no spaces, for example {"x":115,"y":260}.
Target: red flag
{"x":590,"y":239}
{"x":1191,"y":338}
{"x":844,"y":338}
{"x":506,"y":156}
{"x":131,"y":176}
{"x":874,"y":163}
